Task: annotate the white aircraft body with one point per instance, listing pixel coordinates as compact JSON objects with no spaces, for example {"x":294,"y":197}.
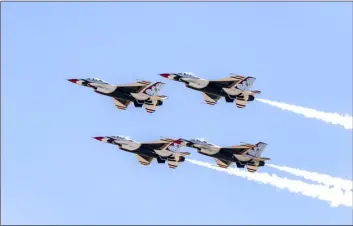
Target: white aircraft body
{"x":232,"y":88}
{"x":163,"y":150}
{"x":243,"y":155}
{"x":140,"y":93}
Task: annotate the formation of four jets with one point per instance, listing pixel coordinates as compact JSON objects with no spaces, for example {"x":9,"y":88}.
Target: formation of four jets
{"x":234,"y":88}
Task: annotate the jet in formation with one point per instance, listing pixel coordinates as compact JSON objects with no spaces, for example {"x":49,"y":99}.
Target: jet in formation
{"x":163,"y":150}
{"x":242,"y":155}
{"x":232,"y":88}
{"x":141,"y":93}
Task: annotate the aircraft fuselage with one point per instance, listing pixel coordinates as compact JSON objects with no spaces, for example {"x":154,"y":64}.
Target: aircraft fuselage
{"x":122,"y":93}
{"x":161,"y":157}
{"x":211,"y":88}
{"x":226,"y":156}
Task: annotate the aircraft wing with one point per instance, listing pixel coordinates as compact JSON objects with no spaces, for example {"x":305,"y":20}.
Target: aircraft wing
{"x":121,"y":103}
{"x":134,"y":87}
{"x":222,"y":163}
{"x":238,"y":149}
{"x":173,"y":164}
{"x":252,"y":169}
{"x":151,"y":107}
{"x":144,"y":160}
{"x":227,"y":82}
{"x":210,"y":99}
{"x":159,"y":144}
{"x":241,"y":103}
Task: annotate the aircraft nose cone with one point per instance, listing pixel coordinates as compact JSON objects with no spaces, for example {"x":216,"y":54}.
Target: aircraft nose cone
{"x":73,"y":80}
{"x":98,"y":138}
{"x":165,"y":75}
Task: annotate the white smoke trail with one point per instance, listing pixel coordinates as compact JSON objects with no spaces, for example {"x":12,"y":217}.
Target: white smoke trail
{"x":335,"y":196}
{"x":344,"y":120}
{"x":317,"y":177}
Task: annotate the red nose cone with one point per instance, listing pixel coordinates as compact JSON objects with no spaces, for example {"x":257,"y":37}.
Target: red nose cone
{"x":98,"y":138}
{"x":165,"y":75}
{"x":73,"y":80}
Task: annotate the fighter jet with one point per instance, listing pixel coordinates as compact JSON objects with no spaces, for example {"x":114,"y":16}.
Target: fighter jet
{"x":235,"y":87}
{"x":242,"y":155}
{"x":140,"y":93}
{"x":163,"y":150}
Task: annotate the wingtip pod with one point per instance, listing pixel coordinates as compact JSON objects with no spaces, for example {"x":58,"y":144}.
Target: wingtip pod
{"x":256,"y":92}
{"x":166,"y":139}
{"x":145,"y":82}
{"x":184,"y":153}
{"x":247,"y":144}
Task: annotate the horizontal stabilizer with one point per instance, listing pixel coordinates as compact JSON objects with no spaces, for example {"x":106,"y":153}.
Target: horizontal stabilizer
{"x":262,"y":159}
{"x":173,"y":164}
{"x":222,"y":163}
{"x":159,"y":97}
{"x":151,"y":107}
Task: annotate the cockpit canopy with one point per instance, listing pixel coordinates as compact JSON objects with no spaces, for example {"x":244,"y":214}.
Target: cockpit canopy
{"x":119,"y":137}
{"x":95,"y":80}
{"x":188,"y":75}
{"x":199,"y":141}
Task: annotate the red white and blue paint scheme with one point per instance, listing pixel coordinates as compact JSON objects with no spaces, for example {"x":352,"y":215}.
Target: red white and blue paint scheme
{"x":232,"y":88}
{"x":163,"y":150}
{"x":242,"y":155}
{"x":141,"y":93}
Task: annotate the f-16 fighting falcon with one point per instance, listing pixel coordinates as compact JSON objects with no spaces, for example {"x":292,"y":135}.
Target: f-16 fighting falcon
{"x":140,"y":93}
{"x":163,"y":150}
{"x":235,"y":87}
{"x":242,"y":155}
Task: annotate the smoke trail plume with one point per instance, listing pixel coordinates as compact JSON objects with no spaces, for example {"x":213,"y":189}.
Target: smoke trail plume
{"x":335,"y":196}
{"x":344,"y":120}
{"x":317,"y":177}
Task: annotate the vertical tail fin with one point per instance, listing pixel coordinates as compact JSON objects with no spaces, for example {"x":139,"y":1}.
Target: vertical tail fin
{"x":174,"y":146}
{"x":153,"y":89}
{"x":246,"y":83}
{"x":259,"y":148}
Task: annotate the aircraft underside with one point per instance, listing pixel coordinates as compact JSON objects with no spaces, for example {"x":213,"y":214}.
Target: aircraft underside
{"x":217,"y":90}
{"x":127,"y":96}
{"x":151,"y":153}
{"x":229,"y":157}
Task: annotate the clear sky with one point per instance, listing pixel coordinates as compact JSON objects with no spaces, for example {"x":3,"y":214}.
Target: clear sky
{"x":53,"y":172}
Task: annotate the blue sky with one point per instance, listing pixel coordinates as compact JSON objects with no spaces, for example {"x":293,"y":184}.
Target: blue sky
{"x":53,"y":172}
